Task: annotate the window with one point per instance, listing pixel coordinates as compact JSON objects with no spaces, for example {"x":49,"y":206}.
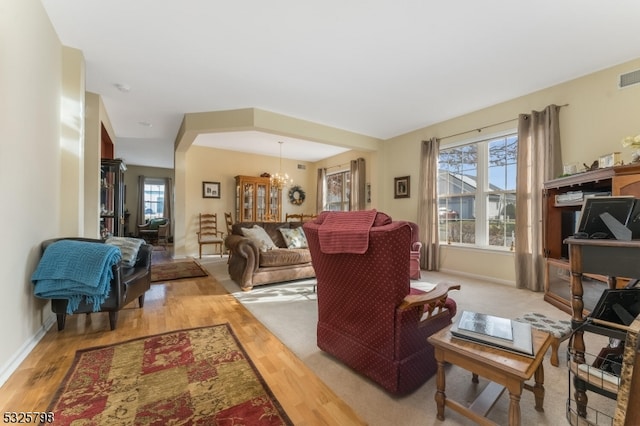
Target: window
{"x":477,"y":192}
{"x":153,"y":198}
{"x":338,"y":191}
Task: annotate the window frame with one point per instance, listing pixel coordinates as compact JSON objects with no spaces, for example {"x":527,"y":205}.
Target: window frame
{"x":150,"y":181}
{"x":346,"y":189}
{"x":482,"y":191}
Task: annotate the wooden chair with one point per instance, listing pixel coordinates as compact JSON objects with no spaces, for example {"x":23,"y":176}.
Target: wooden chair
{"x":229,"y":221}
{"x":208,"y":232}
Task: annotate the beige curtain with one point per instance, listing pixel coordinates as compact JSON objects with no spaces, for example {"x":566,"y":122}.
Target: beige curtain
{"x":428,"y":205}
{"x":358,"y":195}
{"x":140,"y":214}
{"x":539,"y":159}
{"x":320,"y":189}
{"x":168,"y":203}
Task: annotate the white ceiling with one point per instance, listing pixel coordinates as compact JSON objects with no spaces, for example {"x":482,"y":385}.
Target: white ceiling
{"x":376,"y":67}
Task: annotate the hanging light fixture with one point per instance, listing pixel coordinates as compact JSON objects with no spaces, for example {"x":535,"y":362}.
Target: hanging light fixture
{"x":280,"y":180}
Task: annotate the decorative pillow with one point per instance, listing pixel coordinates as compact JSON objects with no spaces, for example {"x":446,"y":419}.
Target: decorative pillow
{"x":128,"y":247}
{"x":258,"y":235}
{"x":294,"y":237}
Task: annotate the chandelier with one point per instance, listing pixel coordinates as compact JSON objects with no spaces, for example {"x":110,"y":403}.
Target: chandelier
{"x":280,"y":180}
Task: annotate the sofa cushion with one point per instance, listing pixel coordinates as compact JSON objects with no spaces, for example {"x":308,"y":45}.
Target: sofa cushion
{"x":128,"y":247}
{"x":294,"y":237}
{"x":284,"y":257}
{"x":258,"y":235}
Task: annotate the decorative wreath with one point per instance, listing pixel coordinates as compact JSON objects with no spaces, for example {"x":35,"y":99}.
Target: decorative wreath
{"x":296,"y":195}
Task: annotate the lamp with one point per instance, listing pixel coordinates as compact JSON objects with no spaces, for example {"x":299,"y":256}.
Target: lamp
{"x":280,"y":180}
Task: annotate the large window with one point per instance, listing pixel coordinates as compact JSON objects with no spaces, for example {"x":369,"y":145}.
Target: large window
{"x":338,"y":190}
{"x":477,"y":192}
{"x":153,"y":198}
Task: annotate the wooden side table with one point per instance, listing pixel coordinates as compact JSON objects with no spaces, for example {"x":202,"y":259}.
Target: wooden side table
{"x":503,"y":368}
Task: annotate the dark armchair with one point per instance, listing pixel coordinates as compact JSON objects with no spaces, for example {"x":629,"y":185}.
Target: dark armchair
{"x":369,"y":316}
{"x":128,"y":284}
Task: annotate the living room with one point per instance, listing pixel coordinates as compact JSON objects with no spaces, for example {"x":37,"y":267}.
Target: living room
{"x":48,"y":198}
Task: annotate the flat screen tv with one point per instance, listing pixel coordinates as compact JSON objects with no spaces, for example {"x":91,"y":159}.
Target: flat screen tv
{"x":591,"y":224}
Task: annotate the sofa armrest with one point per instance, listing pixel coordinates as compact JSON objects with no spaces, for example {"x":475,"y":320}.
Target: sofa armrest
{"x":144,"y":257}
{"x":244,"y":259}
{"x":242,"y":246}
{"x":432,"y":301}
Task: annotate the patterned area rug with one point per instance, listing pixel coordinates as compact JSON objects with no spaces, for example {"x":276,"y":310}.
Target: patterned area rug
{"x":176,"y":270}
{"x":200,"y":376}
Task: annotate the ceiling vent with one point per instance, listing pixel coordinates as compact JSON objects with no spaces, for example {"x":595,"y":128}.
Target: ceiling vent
{"x":629,"y":79}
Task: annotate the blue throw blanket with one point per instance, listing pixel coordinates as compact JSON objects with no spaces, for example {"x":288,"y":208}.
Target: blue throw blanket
{"x":74,"y":270}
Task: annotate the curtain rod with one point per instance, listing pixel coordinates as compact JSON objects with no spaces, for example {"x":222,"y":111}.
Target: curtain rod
{"x":479,"y":129}
{"x":338,"y":165}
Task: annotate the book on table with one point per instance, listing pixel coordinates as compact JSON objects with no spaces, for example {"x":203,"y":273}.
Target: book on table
{"x":503,"y":333}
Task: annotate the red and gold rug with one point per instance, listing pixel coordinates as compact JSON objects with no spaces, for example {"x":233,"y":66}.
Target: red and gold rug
{"x":200,"y":376}
{"x":176,"y":270}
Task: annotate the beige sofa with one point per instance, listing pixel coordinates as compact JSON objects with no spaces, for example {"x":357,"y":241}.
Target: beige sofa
{"x":250,"y":266}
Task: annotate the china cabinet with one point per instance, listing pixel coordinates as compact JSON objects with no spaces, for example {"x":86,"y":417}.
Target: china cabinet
{"x":257,"y":200}
{"x":112,"y":217}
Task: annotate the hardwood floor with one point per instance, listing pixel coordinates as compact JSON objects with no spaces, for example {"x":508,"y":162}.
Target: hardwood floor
{"x":172,"y":306}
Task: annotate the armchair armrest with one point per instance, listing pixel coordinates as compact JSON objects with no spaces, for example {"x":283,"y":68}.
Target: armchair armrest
{"x":431,"y":300}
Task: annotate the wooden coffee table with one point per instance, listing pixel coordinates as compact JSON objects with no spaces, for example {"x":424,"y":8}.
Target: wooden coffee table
{"x":504,"y":369}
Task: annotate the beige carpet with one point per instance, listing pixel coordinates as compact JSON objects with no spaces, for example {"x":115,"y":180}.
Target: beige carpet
{"x":289,"y":311}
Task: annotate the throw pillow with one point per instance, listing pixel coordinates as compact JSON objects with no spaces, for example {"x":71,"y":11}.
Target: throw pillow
{"x":294,"y":237}
{"x":258,"y":235}
{"x":128,"y":247}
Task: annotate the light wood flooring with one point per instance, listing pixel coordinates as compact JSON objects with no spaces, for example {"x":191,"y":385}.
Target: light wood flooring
{"x":172,"y":306}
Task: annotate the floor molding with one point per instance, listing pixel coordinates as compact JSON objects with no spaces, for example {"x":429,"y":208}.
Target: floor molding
{"x":10,"y":367}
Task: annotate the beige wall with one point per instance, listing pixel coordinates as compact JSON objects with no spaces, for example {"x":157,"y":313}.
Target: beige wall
{"x":215,"y":165}
{"x":598,"y":116}
{"x":72,"y":142}
{"x":30,"y":169}
{"x":193,"y":164}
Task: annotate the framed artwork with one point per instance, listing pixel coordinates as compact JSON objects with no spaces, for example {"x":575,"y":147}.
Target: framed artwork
{"x":401,"y":187}
{"x":210,"y":189}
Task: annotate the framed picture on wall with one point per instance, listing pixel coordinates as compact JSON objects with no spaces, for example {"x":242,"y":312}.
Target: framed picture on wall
{"x":210,"y":189}
{"x":401,"y":187}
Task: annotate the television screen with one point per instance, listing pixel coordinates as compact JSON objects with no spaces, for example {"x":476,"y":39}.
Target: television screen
{"x":590,"y":222}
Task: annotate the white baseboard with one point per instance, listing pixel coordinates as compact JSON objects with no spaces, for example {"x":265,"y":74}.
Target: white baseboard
{"x":9,"y":368}
{"x":478,"y":277}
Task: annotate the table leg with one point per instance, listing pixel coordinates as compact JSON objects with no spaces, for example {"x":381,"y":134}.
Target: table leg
{"x":474,"y":378}
{"x":514,"y":409}
{"x":538,"y":388}
{"x":440,"y":384}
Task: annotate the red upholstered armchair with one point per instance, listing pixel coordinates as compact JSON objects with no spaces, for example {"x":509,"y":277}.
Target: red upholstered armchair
{"x":368,"y":316}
